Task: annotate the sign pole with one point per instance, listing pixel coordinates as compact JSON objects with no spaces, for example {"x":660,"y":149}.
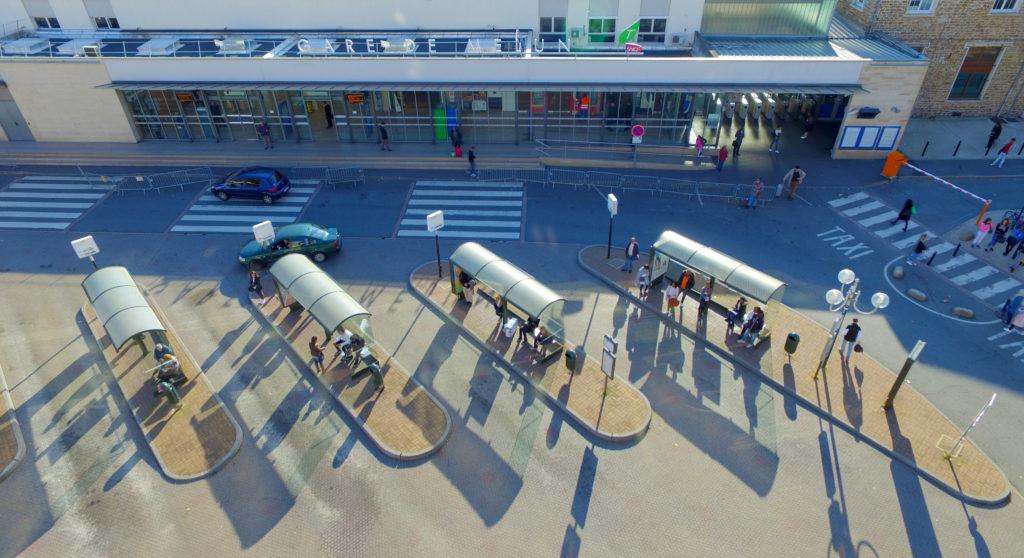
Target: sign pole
{"x":437,"y":248}
{"x":435,"y":222}
{"x":613,"y":208}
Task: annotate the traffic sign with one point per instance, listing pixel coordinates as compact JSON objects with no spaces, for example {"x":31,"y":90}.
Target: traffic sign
{"x":435,"y":221}
{"x":85,"y":247}
{"x":638,"y":131}
{"x":264,"y":232}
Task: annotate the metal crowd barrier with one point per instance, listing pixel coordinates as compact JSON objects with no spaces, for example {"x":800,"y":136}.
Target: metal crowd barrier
{"x":158,"y":182}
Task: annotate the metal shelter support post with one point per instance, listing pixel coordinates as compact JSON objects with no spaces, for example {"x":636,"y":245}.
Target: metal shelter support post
{"x":911,"y":359}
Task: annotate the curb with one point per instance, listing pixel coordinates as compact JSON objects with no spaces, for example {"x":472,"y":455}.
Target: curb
{"x":387,"y":450}
{"x":202,"y":374}
{"x":628,"y":436}
{"x":810,"y":406}
{"x":15,"y":428}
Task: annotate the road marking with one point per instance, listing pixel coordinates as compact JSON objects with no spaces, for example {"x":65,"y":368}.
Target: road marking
{"x":211,"y":228}
{"x":55,"y":186}
{"x":229,"y":218}
{"x":976,"y":275}
{"x":467,"y":212}
{"x":50,"y":195}
{"x":886,"y":233}
{"x":862,"y":209}
{"x":955,"y":262}
{"x":33,"y":225}
{"x":463,"y":223}
{"x":236,"y":209}
{"x":996,"y":289}
{"x":39,"y":214}
{"x":206,"y":198}
{"x":848,"y":199}
{"x":910,"y":241}
{"x":463,"y":184}
{"x":464,"y":194}
{"x":461,"y":234}
{"x":468,"y":203}
{"x":872,"y":221}
{"x":46,"y":205}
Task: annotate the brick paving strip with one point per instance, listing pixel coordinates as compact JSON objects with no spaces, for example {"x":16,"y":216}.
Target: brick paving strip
{"x":12,"y":443}
{"x":191,"y":443}
{"x":404,"y":420}
{"x":850,"y":397}
{"x":609,"y":409}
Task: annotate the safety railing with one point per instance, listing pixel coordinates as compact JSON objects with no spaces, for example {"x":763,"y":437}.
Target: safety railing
{"x":659,"y":154}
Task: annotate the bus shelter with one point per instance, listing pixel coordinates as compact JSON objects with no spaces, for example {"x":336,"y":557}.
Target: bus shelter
{"x":673,"y":254}
{"x":301,"y":281}
{"x":122,"y":310}
{"x":522,"y":296}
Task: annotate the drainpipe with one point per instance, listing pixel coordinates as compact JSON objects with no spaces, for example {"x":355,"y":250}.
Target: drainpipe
{"x":878,"y":6}
{"x":1016,"y":81}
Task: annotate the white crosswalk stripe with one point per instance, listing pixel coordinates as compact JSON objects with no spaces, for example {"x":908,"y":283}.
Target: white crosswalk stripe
{"x":472,"y":209}
{"x":965,"y":269}
{"x":211,"y":215}
{"x":49,"y":202}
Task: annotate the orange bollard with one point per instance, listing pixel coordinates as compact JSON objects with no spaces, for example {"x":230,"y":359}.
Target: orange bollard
{"x":892,"y":164}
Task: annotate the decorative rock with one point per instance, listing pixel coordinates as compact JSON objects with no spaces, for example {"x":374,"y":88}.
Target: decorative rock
{"x":898,"y":272}
{"x":914,"y":293}
{"x":968,"y":236}
{"x":963,"y":312}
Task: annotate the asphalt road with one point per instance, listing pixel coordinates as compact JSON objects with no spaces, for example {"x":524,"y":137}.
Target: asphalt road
{"x":725,"y":455}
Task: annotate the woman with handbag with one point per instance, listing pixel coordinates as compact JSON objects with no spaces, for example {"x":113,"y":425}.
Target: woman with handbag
{"x":672,"y":294}
{"x":643,"y":280}
{"x":998,"y":234}
{"x":256,"y":287}
{"x":851,"y":339}
{"x":905,"y":214}
{"x":983,"y":229}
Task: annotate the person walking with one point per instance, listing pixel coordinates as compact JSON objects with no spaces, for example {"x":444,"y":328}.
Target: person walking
{"x":264,"y":131}
{"x":632,"y":255}
{"x":329,"y":115}
{"x":808,"y":124}
{"x":905,"y":214}
{"x":723,"y":154}
{"x":700,"y":147}
{"x":456,"y":138}
{"x":794,"y":178}
{"x":998,"y":234}
{"x":384,"y":143}
{"x":256,"y":287}
{"x":922,"y":245}
{"x":1001,"y":156}
{"x":317,"y":354}
{"x":983,"y":230}
{"x":737,"y":141}
{"x":755,"y":193}
{"x":643,"y":280}
{"x":851,"y":338}
{"x":736,"y":312}
{"x":993,"y":135}
{"x":472,"y":161}
{"x":776,"y":136}
{"x":703,"y":301}
{"x":672,"y":298}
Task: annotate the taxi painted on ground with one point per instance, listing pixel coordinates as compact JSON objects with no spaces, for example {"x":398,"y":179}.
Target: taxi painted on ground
{"x":258,"y":183}
{"x":315,"y":241}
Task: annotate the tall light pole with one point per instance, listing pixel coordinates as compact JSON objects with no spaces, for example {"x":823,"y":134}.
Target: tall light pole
{"x":841,"y":300}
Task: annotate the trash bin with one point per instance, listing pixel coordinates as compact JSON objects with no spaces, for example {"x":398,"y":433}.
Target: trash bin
{"x":378,"y":378}
{"x":570,"y":360}
{"x":792,"y":340}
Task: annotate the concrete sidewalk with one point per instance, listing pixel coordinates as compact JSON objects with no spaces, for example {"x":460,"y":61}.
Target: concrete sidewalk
{"x":190,"y":443}
{"x":850,"y":395}
{"x":609,"y":409}
{"x":12,"y":443}
{"x":403,"y":420}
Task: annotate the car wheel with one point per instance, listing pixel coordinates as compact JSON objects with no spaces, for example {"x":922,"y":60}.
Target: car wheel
{"x":222,"y":195}
{"x":267,"y":199}
{"x":319,"y":257}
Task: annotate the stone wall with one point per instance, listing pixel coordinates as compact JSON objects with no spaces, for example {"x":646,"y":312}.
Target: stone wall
{"x":944,"y":36}
{"x":892,"y":88}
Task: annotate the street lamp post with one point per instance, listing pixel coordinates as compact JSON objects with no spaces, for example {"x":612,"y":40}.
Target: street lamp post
{"x":842,"y":299}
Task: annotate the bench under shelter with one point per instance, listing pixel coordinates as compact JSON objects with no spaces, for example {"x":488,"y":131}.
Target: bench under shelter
{"x":522,"y":297}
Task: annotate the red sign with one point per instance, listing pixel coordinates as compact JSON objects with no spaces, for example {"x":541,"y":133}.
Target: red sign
{"x":638,"y":130}
{"x":633,"y":48}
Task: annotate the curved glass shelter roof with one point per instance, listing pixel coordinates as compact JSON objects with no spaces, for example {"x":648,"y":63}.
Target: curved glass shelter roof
{"x":119,"y":305}
{"x":513,"y":284}
{"x":328,"y":303}
{"x":735,"y":274}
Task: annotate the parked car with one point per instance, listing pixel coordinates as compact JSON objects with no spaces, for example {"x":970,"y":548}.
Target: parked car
{"x":315,"y":241}
{"x":259,"y":183}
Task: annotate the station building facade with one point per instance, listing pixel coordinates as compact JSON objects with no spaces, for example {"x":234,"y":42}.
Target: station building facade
{"x":501,"y":72}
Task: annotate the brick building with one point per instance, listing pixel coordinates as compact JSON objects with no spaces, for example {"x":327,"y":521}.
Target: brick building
{"x":976,"y":48}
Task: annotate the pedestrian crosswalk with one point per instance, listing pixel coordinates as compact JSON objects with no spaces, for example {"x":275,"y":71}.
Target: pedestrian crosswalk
{"x":235,"y":215}
{"x":474,"y":210}
{"x":48,"y":202}
{"x":964,"y":269}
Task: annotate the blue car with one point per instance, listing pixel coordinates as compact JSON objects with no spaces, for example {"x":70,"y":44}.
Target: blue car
{"x":258,"y":183}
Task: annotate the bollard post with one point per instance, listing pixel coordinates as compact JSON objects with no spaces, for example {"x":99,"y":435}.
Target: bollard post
{"x":1021,"y":149}
{"x":957,"y":251}
{"x":931,"y":259}
{"x":925,"y":148}
{"x":957,"y":147}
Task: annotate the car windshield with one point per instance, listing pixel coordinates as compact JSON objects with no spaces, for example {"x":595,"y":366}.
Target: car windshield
{"x":277,"y":177}
{"x":318,"y":232}
{"x":231,"y":176}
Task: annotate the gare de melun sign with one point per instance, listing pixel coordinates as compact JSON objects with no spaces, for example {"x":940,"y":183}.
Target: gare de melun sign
{"x":403,"y":44}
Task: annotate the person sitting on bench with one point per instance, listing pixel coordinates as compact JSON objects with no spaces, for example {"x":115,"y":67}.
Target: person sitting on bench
{"x":343,"y":341}
{"x":169,"y":370}
{"x":529,"y":327}
{"x":467,"y":282}
{"x":160,"y":350}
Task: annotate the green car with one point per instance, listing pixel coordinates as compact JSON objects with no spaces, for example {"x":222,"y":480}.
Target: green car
{"x":315,"y":241}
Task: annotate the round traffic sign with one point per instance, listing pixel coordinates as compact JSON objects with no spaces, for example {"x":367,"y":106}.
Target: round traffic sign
{"x":638,"y":130}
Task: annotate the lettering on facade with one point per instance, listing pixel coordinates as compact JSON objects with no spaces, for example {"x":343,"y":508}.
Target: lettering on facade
{"x":837,"y":237}
{"x":502,"y":43}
